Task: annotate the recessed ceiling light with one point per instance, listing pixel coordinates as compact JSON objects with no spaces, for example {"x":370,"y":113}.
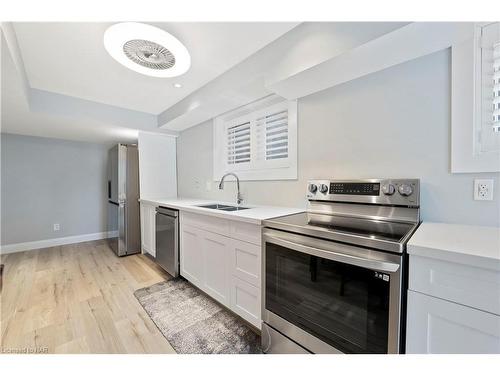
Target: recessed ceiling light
{"x":177,"y":85}
{"x":147,"y":49}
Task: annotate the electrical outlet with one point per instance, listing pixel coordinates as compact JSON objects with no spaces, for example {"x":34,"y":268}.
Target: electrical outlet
{"x":483,"y":190}
{"x":208,"y":185}
{"x":56,"y":227}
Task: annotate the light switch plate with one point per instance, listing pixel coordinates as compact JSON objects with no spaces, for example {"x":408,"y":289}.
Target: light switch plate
{"x":483,"y":190}
{"x":56,"y":227}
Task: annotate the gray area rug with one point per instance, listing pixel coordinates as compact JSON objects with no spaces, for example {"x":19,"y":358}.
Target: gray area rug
{"x":193,"y":323}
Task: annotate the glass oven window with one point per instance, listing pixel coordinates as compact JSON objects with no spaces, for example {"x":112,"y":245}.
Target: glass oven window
{"x":344,"y":305}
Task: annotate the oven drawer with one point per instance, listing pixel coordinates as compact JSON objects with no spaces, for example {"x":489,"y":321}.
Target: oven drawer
{"x":274,"y":342}
{"x":470,"y":286}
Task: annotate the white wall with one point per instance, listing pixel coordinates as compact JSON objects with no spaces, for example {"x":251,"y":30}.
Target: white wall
{"x":393,"y":123}
{"x":157,"y":166}
{"x":47,"y":181}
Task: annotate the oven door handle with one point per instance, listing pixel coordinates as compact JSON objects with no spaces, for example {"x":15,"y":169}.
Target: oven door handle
{"x":374,"y":264}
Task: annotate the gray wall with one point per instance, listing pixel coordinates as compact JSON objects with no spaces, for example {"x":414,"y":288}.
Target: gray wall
{"x":47,"y":181}
{"x":393,"y":123}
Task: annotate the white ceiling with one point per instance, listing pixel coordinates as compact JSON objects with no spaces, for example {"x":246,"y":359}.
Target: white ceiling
{"x":17,"y":118}
{"x":300,"y":50}
{"x":70,"y":59}
{"x":60,"y":82}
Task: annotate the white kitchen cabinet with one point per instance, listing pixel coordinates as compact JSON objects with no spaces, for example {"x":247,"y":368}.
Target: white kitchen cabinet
{"x":148,"y":228}
{"x":452,"y":307}
{"x":245,"y":261}
{"x":191,"y":254}
{"x":245,"y":300}
{"x":222,"y":258}
{"x":442,"y":327}
{"x":467,"y":285}
{"x":216,"y":249}
{"x":208,"y":223}
{"x":157,"y":165}
{"x":454,"y":289}
{"x":245,"y":232}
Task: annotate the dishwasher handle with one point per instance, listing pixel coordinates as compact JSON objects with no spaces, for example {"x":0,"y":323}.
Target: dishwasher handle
{"x":167,"y":211}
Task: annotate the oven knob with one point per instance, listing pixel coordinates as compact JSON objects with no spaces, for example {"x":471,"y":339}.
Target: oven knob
{"x":388,"y":189}
{"x":313,"y":188}
{"x":323,"y":188}
{"x":405,"y":190}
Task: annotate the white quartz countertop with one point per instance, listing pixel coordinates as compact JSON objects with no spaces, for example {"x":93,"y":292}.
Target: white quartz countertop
{"x":255,"y":214}
{"x":471,"y":245}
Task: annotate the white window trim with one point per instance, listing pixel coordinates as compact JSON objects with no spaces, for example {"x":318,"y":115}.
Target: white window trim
{"x":466,"y":156}
{"x":279,"y":171}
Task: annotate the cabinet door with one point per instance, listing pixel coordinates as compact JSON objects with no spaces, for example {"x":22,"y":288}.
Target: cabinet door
{"x":191,"y":254}
{"x":144,"y":219}
{"x":148,"y":230}
{"x":441,"y":327}
{"x":152,"y":230}
{"x":215,"y":259}
{"x":244,"y":262}
{"x":245,"y":300}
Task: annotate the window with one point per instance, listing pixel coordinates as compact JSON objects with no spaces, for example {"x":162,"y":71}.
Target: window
{"x":257,"y":141}
{"x":475,"y":100}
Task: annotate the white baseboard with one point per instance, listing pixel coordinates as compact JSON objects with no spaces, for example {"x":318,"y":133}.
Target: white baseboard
{"x":33,"y":245}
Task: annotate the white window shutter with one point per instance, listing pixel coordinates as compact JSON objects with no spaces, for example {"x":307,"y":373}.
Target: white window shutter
{"x":258,"y":141}
{"x":273,"y":131}
{"x":496,"y":87}
{"x":238,"y":143}
{"x":488,"y":93}
{"x":475,"y":139}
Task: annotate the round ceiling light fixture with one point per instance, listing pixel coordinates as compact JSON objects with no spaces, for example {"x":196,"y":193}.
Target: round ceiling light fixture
{"x":147,"y":49}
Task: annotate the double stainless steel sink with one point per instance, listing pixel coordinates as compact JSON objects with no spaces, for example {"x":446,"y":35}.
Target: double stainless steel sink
{"x":223,"y":207}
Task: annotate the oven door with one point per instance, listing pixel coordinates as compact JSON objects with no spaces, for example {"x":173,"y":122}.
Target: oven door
{"x":331,"y":297}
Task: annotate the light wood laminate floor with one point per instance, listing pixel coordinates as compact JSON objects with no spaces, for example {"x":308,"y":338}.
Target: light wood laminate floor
{"x":78,"y":299}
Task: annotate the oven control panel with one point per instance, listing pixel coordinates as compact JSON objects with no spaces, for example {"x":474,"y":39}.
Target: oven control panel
{"x":396,"y":192}
{"x":355,"y":188}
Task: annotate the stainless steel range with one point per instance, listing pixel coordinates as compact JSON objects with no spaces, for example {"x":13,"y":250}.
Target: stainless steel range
{"x":335,"y":276}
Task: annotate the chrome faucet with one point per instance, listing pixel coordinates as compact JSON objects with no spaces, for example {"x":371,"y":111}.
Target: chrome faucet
{"x":239,"y":198}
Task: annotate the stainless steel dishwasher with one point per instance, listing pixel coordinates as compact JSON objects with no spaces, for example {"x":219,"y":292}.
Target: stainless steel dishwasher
{"x":167,"y":240}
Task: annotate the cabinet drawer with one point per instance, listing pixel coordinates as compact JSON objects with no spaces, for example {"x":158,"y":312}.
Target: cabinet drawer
{"x":245,"y":262}
{"x":442,"y":327}
{"x":206,"y":222}
{"x":246,"y":232}
{"x":245,"y":301}
{"x":471,"y":286}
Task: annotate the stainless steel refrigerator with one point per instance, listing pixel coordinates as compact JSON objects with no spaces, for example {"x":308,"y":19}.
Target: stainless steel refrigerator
{"x":123,"y":200}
